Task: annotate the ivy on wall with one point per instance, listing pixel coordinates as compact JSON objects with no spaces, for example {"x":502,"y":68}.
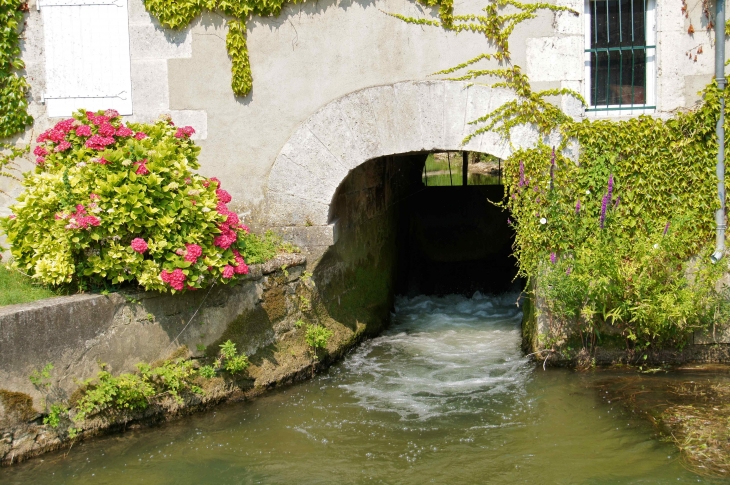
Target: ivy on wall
{"x":14,"y":117}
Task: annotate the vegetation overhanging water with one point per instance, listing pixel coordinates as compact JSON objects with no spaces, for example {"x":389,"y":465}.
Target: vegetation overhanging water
{"x":444,"y":396}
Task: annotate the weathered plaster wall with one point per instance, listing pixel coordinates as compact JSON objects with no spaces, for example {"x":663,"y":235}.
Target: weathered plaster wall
{"x":317,"y":52}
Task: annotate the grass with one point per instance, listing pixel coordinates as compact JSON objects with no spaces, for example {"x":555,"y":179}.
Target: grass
{"x":18,"y":288}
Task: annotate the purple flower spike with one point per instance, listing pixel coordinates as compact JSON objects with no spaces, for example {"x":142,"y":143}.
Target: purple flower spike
{"x":522,"y":174}
{"x":615,"y":204}
{"x":604,"y":204}
{"x":577,"y":207}
{"x":552,"y":170}
{"x":666,"y":228}
{"x":610,"y":187}
{"x":569,"y":270}
{"x":553,"y":258}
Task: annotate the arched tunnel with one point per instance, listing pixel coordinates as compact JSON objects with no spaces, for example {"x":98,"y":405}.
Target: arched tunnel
{"x":397,"y":234}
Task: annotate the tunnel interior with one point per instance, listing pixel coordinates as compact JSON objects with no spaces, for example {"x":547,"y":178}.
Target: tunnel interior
{"x":396,"y":234}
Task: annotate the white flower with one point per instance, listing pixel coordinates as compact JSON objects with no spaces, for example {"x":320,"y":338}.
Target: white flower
{"x":588,"y":192}
{"x":543,"y":221}
{"x":81,"y":164}
{"x":127,"y":162}
{"x":205,"y":209}
{"x":110,"y":210}
{"x":656,"y":246}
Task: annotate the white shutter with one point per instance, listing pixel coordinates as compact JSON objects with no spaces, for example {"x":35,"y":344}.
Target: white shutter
{"x":87,"y":56}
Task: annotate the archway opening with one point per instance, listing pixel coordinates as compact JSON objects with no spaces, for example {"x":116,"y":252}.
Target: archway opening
{"x":396,"y":235}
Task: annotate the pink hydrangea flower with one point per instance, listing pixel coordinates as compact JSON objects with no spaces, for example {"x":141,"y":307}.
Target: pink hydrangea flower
{"x":102,"y":161}
{"x":141,"y":167}
{"x":139,"y":245}
{"x":124,"y":132}
{"x":140,"y":135}
{"x":97,"y":142}
{"x":111,"y":113}
{"x":185,"y":131}
{"x":106,"y":129}
{"x":176,"y":278}
{"x":40,"y":151}
{"x":225,"y":238}
{"x":11,"y":216}
{"x":241,"y":266}
{"x":99,"y":120}
{"x":40,"y":161}
{"x":228,"y":271}
{"x":65,"y":125}
{"x":193,"y":252}
{"x":83,"y":130}
{"x":56,"y":136}
{"x":94,"y":196}
{"x":63,"y":146}
{"x":223,"y":196}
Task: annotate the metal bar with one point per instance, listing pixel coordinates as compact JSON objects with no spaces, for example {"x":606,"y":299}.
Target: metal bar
{"x":622,"y":108}
{"x":499,"y":173}
{"x":595,"y":21}
{"x":633,"y":65}
{"x":464,"y":168}
{"x":448,"y":157}
{"x":621,"y":77}
{"x":620,"y":24}
{"x":624,"y":48}
{"x":608,"y":27}
{"x":608,"y":79}
{"x":425,"y":175}
{"x":632,"y":21}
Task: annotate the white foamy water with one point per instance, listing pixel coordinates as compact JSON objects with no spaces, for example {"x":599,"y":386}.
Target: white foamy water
{"x":442,"y":356}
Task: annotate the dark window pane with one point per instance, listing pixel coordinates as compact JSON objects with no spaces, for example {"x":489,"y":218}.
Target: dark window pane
{"x":618,"y":62}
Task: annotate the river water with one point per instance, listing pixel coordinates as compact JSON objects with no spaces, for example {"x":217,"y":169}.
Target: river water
{"x":444,"y":396}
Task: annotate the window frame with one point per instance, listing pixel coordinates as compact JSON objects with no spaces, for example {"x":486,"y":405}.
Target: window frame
{"x":649,"y":105}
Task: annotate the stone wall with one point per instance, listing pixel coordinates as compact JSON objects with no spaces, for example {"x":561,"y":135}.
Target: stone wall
{"x":76,"y":333}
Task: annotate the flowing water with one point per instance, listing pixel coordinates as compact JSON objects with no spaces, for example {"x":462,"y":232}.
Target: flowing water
{"x":444,"y":396}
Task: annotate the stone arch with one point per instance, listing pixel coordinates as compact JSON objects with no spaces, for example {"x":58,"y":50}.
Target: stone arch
{"x":405,"y":117}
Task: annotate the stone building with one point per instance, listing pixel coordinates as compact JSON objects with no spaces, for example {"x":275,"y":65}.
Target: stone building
{"x":337,"y":83}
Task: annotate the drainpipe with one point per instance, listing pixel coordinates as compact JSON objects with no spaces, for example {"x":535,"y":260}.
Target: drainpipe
{"x":720,"y":129}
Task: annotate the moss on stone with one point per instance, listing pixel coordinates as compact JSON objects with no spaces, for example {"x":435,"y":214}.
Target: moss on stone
{"x":17,"y":406}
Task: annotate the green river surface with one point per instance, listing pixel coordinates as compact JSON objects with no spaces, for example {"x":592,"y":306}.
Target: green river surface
{"x":443,"y":396}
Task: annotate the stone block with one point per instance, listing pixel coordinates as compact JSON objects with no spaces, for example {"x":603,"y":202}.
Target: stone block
{"x":149,"y":89}
{"x":328,"y":126}
{"x":301,"y":181}
{"x":198,"y":119}
{"x":382,"y":102}
{"x":456,"y":97}
{"x":150,"y":41}
{"x":289,"y":210}
{"x":431,"y":106}
{"x":408,"y":116}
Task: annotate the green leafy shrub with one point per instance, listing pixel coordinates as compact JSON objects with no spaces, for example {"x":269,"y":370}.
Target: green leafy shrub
{"x":317,"y":337}
{"x":230,"y":360}
{"x":115,"y":203}
{"x":126,"y":391}
{"x":14,"y":115}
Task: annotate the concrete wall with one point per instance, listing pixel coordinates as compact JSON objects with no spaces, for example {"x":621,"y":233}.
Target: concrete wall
{"x":76,"y":333}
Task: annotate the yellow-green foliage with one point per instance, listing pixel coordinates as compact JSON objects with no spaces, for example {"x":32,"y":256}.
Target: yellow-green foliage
{"x":14,"y":115}
{"x":623,"y":258}
{"x":114,"y":203}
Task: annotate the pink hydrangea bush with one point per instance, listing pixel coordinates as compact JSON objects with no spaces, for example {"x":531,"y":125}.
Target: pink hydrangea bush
{"x":115,"y":202}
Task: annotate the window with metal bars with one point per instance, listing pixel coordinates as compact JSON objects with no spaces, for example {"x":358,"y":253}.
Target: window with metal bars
{"x":620,"y":55}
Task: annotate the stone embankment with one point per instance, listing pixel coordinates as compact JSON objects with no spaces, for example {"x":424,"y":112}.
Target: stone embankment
{"x":78,"y":333}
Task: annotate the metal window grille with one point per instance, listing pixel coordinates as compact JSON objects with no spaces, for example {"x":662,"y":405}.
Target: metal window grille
{"x":619,"y":54}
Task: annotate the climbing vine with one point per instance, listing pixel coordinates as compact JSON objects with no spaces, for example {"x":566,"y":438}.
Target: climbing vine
{"x":14,"y":115}
{"x":619,"y":238}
